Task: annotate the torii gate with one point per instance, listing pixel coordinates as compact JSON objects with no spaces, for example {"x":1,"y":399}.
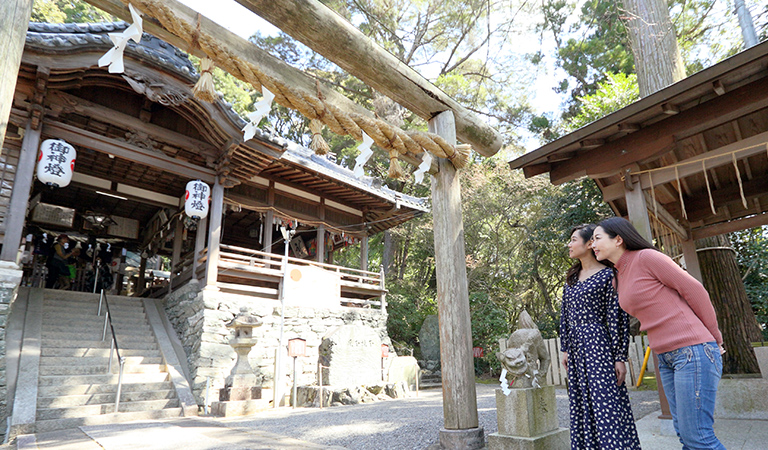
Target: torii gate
{"x":322,"y":30}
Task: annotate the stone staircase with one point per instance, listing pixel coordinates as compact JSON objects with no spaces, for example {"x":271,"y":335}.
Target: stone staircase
{"x":75,"y":386}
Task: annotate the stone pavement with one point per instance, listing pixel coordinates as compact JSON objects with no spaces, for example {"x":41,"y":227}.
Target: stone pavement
{"x":213,"y":434}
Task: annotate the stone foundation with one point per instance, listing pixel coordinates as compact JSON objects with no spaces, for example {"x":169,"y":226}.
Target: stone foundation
{"x":200,"y":316}
{"x":10,"y":278}
{"x":528,"y":421}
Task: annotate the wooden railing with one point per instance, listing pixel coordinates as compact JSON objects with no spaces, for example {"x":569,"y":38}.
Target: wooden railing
{"x":259,"y":273}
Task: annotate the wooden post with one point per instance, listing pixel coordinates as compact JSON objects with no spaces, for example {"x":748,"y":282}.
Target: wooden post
{"x":22,"y":183}
{"x":458,"y":373}
{"x":269,"y":224}
{"x":13,"y":31}
{"x":202,"y":226}
{"x":638,"y":210}
{"x":214,"y":236}
{"x":178,"y":234}
{"x":638,"y":215}
{"x":364,"y":253}
{"x":141,"y":282}
{"x":692,"y":259}
{"x":320,"y":241}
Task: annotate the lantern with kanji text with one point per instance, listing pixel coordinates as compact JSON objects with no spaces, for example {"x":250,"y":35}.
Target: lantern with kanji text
{"x":196,"y":199}
{"x":56,"y":163}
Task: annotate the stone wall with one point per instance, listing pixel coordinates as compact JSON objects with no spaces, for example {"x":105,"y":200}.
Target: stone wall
{"x":200,"y":317}
{"x":10,"y":278}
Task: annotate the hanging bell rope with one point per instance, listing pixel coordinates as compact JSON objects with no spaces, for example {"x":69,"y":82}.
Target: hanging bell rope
{"x":388,"y":137}
{"x":204,"y":88}
{"x":738,"y":177}
{"x":680,"y":191}
{"x":709,"y":190}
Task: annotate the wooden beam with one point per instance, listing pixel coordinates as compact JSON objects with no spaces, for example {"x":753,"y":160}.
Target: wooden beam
{"x":13,"y":31}
{"x":536,"y":169}
{"x":459,"y":394}
{"x":125,"y":121}
{"x":124,"y":150}
{"x":329,"y":34}
{"x":670,"y":109}
{"x":245,"y":50}
{"x":718,"y":87}
{"x":660,"y":137}
{"x":754,"y":145}
{"x":744,"y":223}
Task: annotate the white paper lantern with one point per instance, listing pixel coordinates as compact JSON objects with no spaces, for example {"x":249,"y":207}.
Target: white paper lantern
{"x":196,"y":199}
{"x":56,"y":163}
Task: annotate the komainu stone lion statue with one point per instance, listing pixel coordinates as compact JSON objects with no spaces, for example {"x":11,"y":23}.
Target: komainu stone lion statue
{"x":526,"y":360}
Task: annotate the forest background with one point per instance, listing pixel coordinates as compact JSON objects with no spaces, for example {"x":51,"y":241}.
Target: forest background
{"x":516,"y":229}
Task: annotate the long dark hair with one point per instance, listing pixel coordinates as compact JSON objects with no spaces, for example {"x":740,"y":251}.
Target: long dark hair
{"x":618,"y":226}
{"x":585,"y":233}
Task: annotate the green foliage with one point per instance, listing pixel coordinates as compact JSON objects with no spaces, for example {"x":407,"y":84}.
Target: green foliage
{"x":617,"y":91}
{"x":67,"y":11}
{"x":752,"y":256}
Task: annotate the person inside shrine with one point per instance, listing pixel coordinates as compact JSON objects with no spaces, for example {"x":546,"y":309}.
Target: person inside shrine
{"x":58,"y":270}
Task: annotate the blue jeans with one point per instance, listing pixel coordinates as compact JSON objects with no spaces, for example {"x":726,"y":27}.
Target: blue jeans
{"x":690,"y":376}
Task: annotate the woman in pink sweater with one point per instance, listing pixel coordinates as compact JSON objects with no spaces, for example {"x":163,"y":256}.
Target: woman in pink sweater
{"x":675,"y":310}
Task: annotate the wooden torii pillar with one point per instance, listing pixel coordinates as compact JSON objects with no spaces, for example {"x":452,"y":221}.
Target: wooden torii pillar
{"x":14,"y":17}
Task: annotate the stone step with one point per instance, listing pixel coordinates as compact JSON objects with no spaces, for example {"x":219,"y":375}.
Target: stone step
{"x":99,"y":369}
{"x":98,"y":343}
{"x":91,"y":304}
{"x":73,"y":296}
{"x":50,"y":422}
{"x":95,"y":335}
{"x":51,"y":313}
{"x":101,"y":379}
{"x":93,"y":410}
{"x":99,"y":352}
{"x":127,"y":397}
{"x":122,"y":328}
{"x":96,"y":360}
{"x":92,"y":389}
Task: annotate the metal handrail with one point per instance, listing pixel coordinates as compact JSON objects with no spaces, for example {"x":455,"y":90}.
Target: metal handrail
{"x":113,"y":346}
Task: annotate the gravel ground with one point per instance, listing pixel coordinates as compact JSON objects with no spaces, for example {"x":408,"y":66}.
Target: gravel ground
{"x":411,"y":423}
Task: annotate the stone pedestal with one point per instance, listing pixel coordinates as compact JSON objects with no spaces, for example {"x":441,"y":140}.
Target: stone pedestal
{"x":528,"y":421}
{"x":239,"y":408}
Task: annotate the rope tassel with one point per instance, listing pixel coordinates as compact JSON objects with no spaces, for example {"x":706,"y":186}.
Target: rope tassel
{"x":738,"y":177}
{"x":204,"y":88}
{"x":318,"y":144}
{"x":395,"y":169}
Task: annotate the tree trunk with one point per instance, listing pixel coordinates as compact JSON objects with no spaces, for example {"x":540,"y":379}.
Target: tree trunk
{"x":654,"y":44}
{"x":735,"y":317}
{"x":14,"y":16}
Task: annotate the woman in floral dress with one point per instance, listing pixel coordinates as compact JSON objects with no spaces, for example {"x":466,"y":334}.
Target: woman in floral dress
{"x":594,"y":336}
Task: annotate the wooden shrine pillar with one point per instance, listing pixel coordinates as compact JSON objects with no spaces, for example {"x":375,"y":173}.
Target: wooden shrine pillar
{"x":14,"y":20}
{"x":22,"y":183}
{"x":178,"y":234}
{"x":269,"y":221}
{"x":202,"y":227}
{"x":692,"y":259}
{"x":637,"y":209}
{"x":461,"y":428}
{"x":214,"y":235}
{"x":320,"y":240}
{"x":141,"y":282}
{"x":364,"y":253}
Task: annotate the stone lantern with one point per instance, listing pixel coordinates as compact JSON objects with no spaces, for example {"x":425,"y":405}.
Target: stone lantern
{"x":240,"y":386}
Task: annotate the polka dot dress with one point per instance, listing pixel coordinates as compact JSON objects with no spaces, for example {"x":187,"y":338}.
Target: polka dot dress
{"x":595,"y":333}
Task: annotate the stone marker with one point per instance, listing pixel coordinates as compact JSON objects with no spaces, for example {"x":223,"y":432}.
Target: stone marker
{"x":352,"y":355}
{"x":429,"y":339}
